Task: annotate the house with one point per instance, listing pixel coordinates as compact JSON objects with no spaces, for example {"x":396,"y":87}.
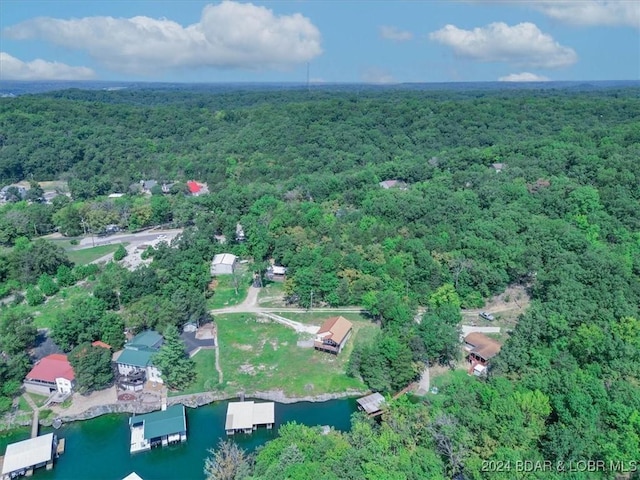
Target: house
{"x":371,"y":404}
{"x":498,"y":167}
{"x":480,"y":350}
{"x":21,"y":458}
{"x":245,"y":417}
{"x":223,"y":264}
{"x":13,"y":193}
{"x":197,"y":188}
{"x":135,"y":362}
{"x":161,"y":428}
{"x":240,"y":237}
{"x":51,"y":374}
{"x":276,"y":273}
{"x":387,"y":184}
{"x":115,"y":195}
{"x":333,"y":335}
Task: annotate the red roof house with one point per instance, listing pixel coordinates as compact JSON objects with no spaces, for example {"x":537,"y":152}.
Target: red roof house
{"x":52,"y":373}
{"x":194,"y":187}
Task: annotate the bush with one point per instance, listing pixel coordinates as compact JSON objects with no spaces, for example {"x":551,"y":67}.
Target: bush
{"x":74,"y":241}
{"x":120,"y":253}
{"x":34,"y":296}
{"x":5,"y":404}
{"x":47,"y":285}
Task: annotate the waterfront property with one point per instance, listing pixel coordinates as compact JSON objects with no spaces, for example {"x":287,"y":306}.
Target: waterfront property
{"x":161,"y":428}
{"x":223,"y":264}
{"x":51,"y":374}
{"x":481,"y":349}
{"x":333,"y":335}
{"x":21,"y":458}
{"x":371,"y":404}
{"x":135,"y":365}
{"x":245,"y":417}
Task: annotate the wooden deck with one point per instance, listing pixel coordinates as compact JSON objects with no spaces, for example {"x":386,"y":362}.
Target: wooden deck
{"x":61,"y":445}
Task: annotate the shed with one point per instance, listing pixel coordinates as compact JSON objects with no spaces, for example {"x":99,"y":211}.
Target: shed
{"x":21,"y":457}
{"x":223,"y":264}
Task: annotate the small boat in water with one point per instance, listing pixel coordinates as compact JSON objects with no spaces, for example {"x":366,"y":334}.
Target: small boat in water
{"x":57,"y":423}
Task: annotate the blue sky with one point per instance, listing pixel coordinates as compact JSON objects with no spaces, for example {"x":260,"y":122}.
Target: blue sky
{"x":380,"y":41}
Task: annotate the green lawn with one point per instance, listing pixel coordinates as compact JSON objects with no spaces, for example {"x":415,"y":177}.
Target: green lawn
{"x":271,"y":295}
{"x":88,"y":255}
{"x":317,"y":318}
{"x":206,"y":374}
{"x":224,"y":294}
{"x":39,"y":400}
{"x":258,"y":356}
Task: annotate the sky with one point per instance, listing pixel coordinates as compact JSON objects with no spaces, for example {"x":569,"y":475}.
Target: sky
{"x":334,"y":41}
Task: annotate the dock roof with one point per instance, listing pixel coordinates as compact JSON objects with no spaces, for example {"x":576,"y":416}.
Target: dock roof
{"x":371,"y":403}
{"x":244,"y":415}
{"x":28,"y":453}
{"x":163,"y":422}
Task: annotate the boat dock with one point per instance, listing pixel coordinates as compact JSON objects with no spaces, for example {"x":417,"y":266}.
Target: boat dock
{"x":245,"y":417}
{"x":60,"y":447}
{"x":22,"y":458}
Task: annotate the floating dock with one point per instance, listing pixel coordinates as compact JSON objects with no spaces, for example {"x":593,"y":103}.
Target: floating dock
{"x":60,"y":448}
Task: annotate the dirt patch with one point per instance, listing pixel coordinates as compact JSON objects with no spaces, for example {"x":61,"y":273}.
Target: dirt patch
{"x":244,"y":348}
{"x":506,"y":308}
{"x":248,"y":369}
{"x":274,"y":344}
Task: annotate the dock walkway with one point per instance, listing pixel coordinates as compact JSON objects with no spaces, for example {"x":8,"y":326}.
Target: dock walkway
{"x":36,"y":415}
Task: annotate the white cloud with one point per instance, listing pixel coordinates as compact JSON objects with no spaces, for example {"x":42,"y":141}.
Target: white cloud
{"x":522,"y":44}
{"x":523,"y":77}
{"x":395,"y":34}
{"x":592,"y":12}
{"x":377,"y":75}
{"x":12,"y":68}
{"x":228,"y":35}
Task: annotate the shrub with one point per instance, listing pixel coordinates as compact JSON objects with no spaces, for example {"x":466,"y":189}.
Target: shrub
{"x":47,"y":285}
{"x":120,"y":253}
{"x":34,"y":296}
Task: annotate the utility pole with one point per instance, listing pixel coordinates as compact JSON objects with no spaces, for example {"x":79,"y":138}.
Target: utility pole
{"x":311,"y":307}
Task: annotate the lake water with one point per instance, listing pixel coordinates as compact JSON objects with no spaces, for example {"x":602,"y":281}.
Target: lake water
{"x":99,"y":448}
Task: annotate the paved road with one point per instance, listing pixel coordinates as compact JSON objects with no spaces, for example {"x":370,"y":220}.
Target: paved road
{"x":131,"y":238}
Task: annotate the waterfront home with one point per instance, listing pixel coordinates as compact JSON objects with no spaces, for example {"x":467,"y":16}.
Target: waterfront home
{"x":52,"y":373}
{"x":371,"y":404}
{"x":333,"y":335}
{"x":480,"y":350}
{"x":245,"y":417}
{"x":223,"y":264}
{"x":135,"y":364}
{"x":21,"y":458}
{"x":161,"y":428}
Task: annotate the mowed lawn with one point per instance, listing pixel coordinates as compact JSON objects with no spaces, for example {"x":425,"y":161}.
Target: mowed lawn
{"x":88,"y":255}
{"x":224,"y":293}
{"x":257,"y":355}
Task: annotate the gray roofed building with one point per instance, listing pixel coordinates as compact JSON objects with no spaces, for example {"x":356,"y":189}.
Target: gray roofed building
{"x":372,"y":404}
{"x":223,"y":263}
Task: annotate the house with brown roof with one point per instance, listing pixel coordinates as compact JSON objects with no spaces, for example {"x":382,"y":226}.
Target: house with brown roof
{"x":53,"y":373}
{"x":333,"y":335}
{"x":481,"y":349}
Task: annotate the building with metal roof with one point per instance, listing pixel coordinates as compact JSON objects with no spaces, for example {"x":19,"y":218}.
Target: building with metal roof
{"x":160,"y":428}
{"x":51,"y":374}
{"x":245,"y":417}
{"x":223,"y":264}
{"x":333,"y":335}
{"x":21,"y":458}
{"x":371,"y":404}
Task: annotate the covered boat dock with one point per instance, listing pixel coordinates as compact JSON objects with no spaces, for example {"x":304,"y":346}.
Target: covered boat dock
{"x":21,"y":458}
{"x":245,"y":417}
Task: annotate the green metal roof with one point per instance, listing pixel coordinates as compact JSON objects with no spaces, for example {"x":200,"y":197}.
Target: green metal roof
{"x":164,"y":422}
{"x":146,"y":339}
{"x":137,"y":358}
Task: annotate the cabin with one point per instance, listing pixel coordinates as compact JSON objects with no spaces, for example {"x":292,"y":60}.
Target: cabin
{"x":387,"y":184}
{"x":162,"y":428}
{"x":134,"y":363}
{"x":333,"y":335}
{"x":51,"y":374}
{"x":245,"y":417}
{"x":480,"y":350}
{"x":223,"y":264}
{"x":371,"y":404}
{"x":21,"y":458}
{"x":240,"y":236}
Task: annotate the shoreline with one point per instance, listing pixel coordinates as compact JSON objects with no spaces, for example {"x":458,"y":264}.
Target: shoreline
{"x":193,"y":400}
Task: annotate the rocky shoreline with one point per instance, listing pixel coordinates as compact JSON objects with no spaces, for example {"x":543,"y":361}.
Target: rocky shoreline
{"x":194,"y":401}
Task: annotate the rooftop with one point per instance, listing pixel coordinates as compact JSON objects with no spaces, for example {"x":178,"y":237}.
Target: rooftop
{"x":482,"y":345}
{"x":146,"y":339}
{"x":98,"y":343}
{"x":163,"y":422}
{"x":136,"y":357}
{"x":27,"y":453}
{"x":335,"y":328}
{"x":52,"y":367}
{"x":224,"y":259}
{"x":371,"y":403}
{"x":244,"y":415}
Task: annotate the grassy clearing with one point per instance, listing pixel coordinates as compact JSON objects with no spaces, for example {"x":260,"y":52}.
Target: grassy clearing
{"x":206,"y":374}
{"x":271,"y":295}
{"x":317,"y":318}
{"x":257,"y":356}
{"x":88,"y":255}
{"x":45,"y":314}
{"x":224,"y":294}
{"x":39,"y":400}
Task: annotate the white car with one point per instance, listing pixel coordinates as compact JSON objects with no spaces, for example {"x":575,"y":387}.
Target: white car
{"x":487,"y":316}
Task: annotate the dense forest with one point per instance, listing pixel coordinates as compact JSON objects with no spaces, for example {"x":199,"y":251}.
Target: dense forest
{"x":537,"y":188}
